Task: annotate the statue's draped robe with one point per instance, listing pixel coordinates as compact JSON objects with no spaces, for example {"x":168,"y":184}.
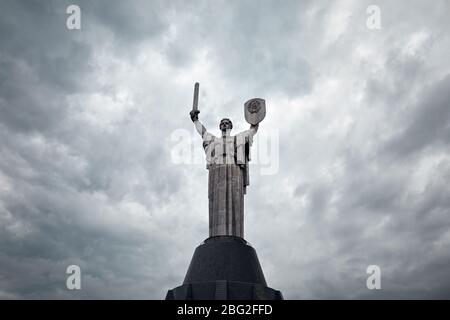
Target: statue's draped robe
{"x":227,"y":161}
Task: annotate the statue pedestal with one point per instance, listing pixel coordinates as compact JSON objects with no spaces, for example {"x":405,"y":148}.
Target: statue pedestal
{"x":224,"y":268}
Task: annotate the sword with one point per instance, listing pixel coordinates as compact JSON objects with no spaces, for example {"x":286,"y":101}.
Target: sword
{"x":195,"y":102}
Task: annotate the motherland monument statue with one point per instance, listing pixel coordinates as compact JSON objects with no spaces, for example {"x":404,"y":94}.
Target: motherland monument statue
{"x":225,"y":266}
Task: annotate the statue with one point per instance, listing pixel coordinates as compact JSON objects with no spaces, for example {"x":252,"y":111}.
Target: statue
{"x":227,"y":160}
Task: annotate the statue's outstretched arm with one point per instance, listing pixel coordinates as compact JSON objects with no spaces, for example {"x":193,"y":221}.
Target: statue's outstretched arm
{"x":198,"y":125}
{"x":200,"y":128}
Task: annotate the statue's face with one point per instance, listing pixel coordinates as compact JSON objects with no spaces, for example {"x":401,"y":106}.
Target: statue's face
{"x":225,"y":124}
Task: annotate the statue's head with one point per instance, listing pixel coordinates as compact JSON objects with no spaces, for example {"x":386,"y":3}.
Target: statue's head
{"x":225,"y":124}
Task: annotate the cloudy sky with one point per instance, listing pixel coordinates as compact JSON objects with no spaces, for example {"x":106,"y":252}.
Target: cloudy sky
{"x":89,"y":121}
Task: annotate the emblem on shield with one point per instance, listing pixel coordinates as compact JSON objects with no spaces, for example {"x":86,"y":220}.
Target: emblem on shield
{"x":255,"y":110}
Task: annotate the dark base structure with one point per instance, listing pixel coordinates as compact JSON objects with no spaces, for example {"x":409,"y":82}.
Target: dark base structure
{"x":224,"y":268}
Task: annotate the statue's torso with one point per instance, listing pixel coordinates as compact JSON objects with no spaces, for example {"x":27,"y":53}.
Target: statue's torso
{"x":223,"y":150}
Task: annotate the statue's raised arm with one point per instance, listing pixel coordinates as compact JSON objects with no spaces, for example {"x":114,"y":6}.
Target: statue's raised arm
{"x":198,"y":125}
{"x":250,"y":132}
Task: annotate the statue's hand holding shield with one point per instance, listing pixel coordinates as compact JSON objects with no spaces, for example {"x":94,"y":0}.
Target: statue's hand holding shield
{"x":255,"y":110}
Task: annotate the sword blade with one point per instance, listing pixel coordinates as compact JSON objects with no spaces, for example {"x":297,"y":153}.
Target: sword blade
{"x":195,"y":102}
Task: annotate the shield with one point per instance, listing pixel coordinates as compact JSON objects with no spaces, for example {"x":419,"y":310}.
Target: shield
{"x":255,"y":110}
